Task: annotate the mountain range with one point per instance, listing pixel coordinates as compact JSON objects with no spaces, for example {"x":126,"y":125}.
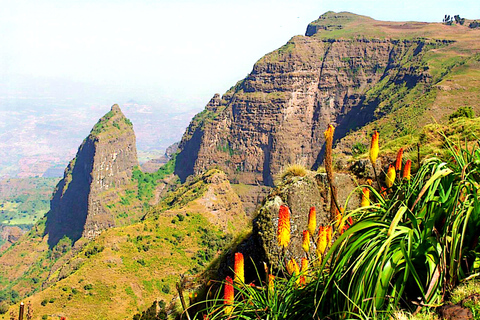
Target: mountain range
{"x":117,"y":238}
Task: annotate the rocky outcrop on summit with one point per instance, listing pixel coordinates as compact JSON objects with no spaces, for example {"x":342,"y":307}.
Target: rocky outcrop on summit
{"x":276,"y":116}
{"x":104,"y":160}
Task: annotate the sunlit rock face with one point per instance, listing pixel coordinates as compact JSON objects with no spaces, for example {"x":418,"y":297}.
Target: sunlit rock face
{"x":104,"y":160}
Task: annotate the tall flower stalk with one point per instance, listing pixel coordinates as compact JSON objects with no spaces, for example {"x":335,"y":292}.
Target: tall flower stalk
{"x":329,"y":169}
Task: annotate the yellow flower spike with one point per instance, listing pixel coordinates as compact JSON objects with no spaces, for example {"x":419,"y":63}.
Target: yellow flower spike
{"x":321,"y":241}
{"x":283,"y":231}
{"x":271,"y":284}
{"x":306,"y":241}
{"x":303,"y":271}
{"x":390,"y":177}
{"x":312,"y":221}
{"x":238,"y":268}
{"x":304,"y":265}
{"x":365,"y":197}
{"x":406,"y":170}
{"x":329,"y":231}
{"x":228,"y":296}
{"x":374,"y":147}
{"x":292,"y":267}
{"x":329,"y":132}
{"x":398,"y":162}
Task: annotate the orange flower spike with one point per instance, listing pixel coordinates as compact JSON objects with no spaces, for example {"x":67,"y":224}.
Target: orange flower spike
{"x":283,"y":232}
{"x":228,"y":296}
{"x":292,"y":267}
{"x":390,"y":177}
{"x":329,"y":231}
{"x":365,"y":197}
{"x":306,"y":241}
{"x":406,"y":170}
{"x":238,"y":268}
{"x":398,"y":162}
{"x":312,"y":221}
{"x":303,"y":270}
{"x":271,"y":283}
{"x":321,"y":241}
{"x":374,"y":147}
{"x":369,"y":181}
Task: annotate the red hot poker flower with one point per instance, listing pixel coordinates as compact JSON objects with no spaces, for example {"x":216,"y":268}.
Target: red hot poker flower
{"x":374,"y":147}
{"x":312,"y":221}
{"x":306,"y":241}
{"x":228,"y":296}
{"x":283,"y":231}
{"x":406,"y":170}
{"x":398,"y":162}
{"x":238,"y":268}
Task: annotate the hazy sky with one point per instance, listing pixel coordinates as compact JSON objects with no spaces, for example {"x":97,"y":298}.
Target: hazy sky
{"x":175,"y":54}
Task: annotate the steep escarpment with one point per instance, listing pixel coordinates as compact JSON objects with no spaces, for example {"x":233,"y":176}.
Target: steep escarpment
{"x":105,"y":160}
{"x":348,"y":70}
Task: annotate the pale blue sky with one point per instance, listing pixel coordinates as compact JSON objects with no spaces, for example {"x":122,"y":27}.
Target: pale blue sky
{"x":168,"y":53}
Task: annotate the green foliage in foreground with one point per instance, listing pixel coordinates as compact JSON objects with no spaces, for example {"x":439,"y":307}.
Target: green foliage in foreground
{"x":407,"y":250}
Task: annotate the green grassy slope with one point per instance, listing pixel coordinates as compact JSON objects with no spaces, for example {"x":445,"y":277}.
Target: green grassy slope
{"x":126,"y":268}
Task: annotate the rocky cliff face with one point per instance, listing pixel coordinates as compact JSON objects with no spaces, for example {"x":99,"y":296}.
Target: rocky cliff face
{"x":277,"y":115}
{"x":104,"y":160}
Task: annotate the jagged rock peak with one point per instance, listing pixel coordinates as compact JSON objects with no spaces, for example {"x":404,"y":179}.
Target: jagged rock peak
{"x":115,"y":108}
{"x":112,"y":123}
{"x":104,"y":160}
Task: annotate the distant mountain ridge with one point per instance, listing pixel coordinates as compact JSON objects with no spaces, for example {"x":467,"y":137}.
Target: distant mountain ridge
{"x":348,"y":70}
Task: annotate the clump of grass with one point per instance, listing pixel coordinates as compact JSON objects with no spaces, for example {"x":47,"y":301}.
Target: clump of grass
{"x":293,"y":170}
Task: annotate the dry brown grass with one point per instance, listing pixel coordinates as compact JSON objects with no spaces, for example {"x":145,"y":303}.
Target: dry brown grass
{"x":293,"y":170}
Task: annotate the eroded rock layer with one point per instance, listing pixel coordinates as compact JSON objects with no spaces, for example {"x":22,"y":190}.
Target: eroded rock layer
{"x":277,"y":115}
